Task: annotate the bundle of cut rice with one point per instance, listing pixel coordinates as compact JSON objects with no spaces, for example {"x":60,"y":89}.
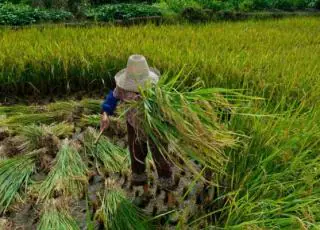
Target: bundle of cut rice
{"x":188,"y":119}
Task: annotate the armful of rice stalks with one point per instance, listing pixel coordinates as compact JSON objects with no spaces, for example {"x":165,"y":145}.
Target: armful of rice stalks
{"x":187,"y":120}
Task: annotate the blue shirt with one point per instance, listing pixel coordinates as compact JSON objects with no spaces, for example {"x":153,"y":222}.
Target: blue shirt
{"x":110,"y":103}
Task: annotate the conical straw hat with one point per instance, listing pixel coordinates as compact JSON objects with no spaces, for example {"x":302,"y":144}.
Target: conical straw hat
{"x":136,"y":75}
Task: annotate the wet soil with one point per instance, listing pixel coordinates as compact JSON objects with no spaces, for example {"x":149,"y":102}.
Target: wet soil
{"x":188,"y":192}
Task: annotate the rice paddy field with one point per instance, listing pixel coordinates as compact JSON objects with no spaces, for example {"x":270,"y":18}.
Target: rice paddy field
{"x":264,"y":175}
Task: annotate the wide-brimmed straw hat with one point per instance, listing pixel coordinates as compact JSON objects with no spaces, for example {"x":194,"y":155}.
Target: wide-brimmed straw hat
{"x":137,"y":74}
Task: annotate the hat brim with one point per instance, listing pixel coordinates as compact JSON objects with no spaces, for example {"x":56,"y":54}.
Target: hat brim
{"x":132,"y":85}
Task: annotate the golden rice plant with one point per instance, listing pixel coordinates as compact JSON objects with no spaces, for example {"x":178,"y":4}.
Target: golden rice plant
{"x":271,"y":58}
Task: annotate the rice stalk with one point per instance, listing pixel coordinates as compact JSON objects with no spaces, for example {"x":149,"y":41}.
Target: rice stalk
{"x":14,"y":175}
{"x":68,"y":175}
{"x":60,"y":130}
{"x":62,"y":106}
{"x":117,"y":212}
{"x":91,"y":105}
{"x":18,"y":109}
{"x":16,"y":115}
{"x":26,"y":119}
{"x":113,"y":157}
{"x":39,"y":136}
{"x":90,"y":120}
{"x":56,"y":216}
{"x":65,"y":108}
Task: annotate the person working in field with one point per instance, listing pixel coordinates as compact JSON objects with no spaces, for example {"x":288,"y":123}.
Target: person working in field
{"x":128,"y":81}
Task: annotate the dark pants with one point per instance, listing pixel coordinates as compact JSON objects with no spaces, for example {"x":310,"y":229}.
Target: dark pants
{"x":138,"y":152}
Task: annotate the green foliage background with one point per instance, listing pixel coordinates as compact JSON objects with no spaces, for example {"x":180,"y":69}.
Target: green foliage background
{"x":107,"y":10}
{"x":23,"y":14}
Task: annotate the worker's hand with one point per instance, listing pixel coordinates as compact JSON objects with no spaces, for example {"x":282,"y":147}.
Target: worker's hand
{"x":104,"y":122}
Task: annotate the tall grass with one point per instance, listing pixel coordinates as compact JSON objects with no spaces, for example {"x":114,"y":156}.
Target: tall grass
{"x":272,"y":58}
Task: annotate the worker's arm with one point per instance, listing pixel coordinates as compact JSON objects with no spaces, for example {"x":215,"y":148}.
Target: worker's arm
{"x":107,"y":109}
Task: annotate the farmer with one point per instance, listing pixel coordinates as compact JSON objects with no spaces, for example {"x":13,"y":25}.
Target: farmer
{"x":128,"y":82}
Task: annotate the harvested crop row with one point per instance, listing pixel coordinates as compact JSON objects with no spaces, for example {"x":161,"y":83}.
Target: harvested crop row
{"x":52,"y":181}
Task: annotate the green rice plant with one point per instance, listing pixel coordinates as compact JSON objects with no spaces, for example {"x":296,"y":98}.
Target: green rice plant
{"x":39,"y":136}
{"x":17,"y":109}
{"x":68,"y":175}
{"x":91,"y":105}
{"x":65,"y":108}
{"x":20,"y":115}
{"x":61,"y":129}
{"x":273,"y":180}
{"x":35,"y":131}
{"x":14,"y":175}
{"x":117,"y":212}
{"x":26,"y":119}
{"x":56,"y":216}
{"x":91,"y":120}
{"x":69,"y":108}
{"x":32,"y":134}
{"x":62,"y":106}
{"x":187,"y":119}
{"x":113,"y":157}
